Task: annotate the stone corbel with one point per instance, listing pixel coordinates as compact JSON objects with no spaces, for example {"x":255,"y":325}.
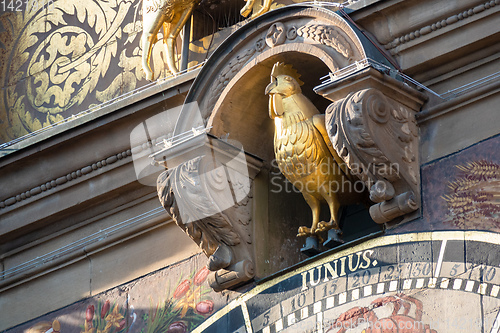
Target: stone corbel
{"x":372,"y":126}
{"x":208,"y":192}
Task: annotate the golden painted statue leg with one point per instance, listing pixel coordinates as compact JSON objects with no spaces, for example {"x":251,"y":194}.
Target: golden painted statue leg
{"x":152,"y":26}
{"x":147,"y":46}
{"x":245,"y":11}
{"x":315,"y":205}
{"x":171,"y":35}
{"x":334,"y":205}
{"x":265,"y":8}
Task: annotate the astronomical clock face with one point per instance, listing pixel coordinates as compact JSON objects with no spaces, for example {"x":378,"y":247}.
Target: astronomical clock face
{"x":421,"y":282}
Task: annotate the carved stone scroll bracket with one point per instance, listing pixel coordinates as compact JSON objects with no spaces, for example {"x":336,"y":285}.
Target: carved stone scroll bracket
{"x":372,"y":127}
{"x":381,"y":191}
{"x":231,"y":276}
{"x":209,"y":196}
{"x":387,"y":211}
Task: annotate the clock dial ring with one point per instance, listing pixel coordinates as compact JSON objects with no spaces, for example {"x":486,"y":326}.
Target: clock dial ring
{"x":420,"y":265}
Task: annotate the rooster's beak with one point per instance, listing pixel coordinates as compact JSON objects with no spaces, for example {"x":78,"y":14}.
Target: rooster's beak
{"x":271,"y":85}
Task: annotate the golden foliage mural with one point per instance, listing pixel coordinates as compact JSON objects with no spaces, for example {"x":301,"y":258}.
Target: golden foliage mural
{"x":65,"y":57}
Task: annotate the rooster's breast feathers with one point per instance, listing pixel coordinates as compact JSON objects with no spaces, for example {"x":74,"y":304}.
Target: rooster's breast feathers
{"x":299,"y":146}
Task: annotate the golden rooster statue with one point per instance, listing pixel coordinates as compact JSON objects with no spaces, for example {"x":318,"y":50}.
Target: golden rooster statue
{"x":303,"y":150}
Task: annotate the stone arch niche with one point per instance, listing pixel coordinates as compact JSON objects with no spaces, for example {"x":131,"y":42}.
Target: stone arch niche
{"x":244,"y":102}
{"x":253,"y":234}
{"x":314,"y":40}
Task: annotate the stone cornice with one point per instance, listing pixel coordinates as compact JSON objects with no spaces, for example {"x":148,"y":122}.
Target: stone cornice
{"x":37,"y":145}
{"x":458,"y":102}
{"x":103,"y":164}
{"x":63,"y":179}
{"x":71,"y":190}
{"x":430,"y":28}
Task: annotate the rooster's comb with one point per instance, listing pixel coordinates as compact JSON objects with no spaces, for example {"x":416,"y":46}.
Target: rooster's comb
{"x":280,"y":68}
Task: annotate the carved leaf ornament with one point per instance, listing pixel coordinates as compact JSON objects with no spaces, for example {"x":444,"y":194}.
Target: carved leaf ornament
{"x":187,"y":192}
{"x":326,"y":35}
{"x":229,"y":72}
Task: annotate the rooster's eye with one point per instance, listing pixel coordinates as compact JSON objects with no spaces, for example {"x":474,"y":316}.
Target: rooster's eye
{"x":287,"y":78}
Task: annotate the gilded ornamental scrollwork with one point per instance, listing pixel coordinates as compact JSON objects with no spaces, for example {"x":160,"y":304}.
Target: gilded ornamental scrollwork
{"x":69,"y":58}
{"x":65,"y":59}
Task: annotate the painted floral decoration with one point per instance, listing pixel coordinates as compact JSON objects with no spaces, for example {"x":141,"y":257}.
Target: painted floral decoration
{"x":105,"y":320}
{"x":184,"y":309}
